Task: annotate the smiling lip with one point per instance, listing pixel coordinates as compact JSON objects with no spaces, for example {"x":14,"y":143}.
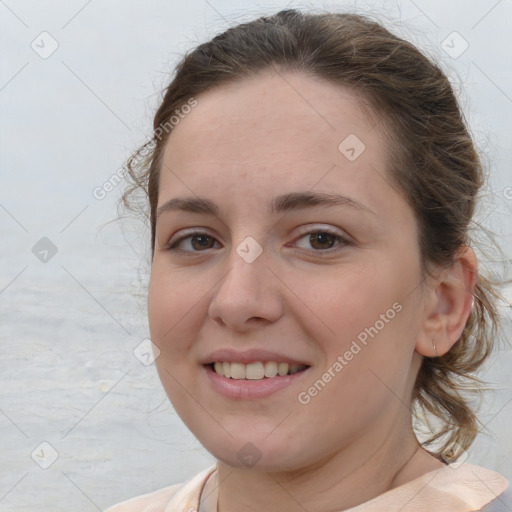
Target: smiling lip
{"x":245,"y":389}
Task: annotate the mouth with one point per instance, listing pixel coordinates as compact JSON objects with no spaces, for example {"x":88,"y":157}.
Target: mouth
{"x":258,"y":370}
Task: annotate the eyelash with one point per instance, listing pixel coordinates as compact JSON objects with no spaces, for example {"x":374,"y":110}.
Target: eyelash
{"x":342,"y":242}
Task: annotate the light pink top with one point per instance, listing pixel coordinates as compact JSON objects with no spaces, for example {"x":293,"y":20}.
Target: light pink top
{"x":453,"y":488}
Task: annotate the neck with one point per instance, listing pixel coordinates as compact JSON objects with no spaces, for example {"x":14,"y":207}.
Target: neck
{"x":352,"y":476}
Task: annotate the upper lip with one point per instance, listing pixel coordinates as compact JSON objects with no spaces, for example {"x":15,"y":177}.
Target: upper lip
{"x":248,"y":356}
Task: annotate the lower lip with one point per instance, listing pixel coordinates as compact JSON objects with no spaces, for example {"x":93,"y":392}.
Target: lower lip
{"x":244,"y":389}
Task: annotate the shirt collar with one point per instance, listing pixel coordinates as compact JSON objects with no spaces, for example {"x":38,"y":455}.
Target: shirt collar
{"x":187,"y":498}
{"x":455,"y":487}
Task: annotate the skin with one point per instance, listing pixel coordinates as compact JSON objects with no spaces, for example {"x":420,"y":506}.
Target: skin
{"x":242,"y":145}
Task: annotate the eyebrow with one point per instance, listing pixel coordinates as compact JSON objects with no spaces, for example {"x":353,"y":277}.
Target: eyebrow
{"x":283,"y":203}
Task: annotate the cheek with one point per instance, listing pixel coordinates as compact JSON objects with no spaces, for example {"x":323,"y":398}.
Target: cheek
{"x":172,"y":318}
{"x":350,"y":299}
{"x":364,"y":308}
{"x":172,"y":304}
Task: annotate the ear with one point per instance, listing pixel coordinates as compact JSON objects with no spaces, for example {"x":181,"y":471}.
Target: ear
{"x":449,"y":304}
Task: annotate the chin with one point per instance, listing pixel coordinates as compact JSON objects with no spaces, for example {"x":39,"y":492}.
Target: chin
{"x":256,"y":455}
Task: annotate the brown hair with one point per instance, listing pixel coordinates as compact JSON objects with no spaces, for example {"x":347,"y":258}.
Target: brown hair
{"x":432,"y":160}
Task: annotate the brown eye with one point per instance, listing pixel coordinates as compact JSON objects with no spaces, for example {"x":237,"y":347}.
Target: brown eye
{"x":193,"y":242}
{"x":199,"y":242}
{"x":322,"y":240}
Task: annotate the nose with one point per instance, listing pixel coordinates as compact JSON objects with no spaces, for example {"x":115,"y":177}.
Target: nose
{"x":248,"y":296}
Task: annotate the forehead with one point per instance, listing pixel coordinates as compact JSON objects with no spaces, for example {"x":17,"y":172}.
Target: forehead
{"x":286,"y":129}
{"x":276,"y":109}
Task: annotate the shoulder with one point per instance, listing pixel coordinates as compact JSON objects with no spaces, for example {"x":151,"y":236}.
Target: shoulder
{"x":479,"y":488}
{"x":155,"y":501}
{"x":502,"y":503}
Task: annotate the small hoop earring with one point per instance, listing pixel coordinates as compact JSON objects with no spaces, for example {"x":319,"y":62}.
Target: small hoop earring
{"x":435,"y":349}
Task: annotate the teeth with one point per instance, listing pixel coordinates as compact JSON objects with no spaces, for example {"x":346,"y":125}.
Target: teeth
{"x":254,"y":371}
{"x":282,"y":369}
{"x":270,"y":369}
{"x":226,"y":369}
{"x":218,"y":367}
{"x":238,"y":371}
{"x":257,"y":370}
{"x":294,"y":368}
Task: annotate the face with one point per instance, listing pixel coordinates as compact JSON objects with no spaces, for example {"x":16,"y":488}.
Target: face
{"x":255,"y":273}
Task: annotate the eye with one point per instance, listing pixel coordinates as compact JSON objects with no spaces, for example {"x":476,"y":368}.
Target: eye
{"x":195,"y":241}
{"x":321,"y":240}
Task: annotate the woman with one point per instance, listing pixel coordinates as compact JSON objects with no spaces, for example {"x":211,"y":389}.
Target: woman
{"x":313,"y":290}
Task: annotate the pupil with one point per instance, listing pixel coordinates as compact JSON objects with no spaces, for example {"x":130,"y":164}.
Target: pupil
{"x":323,"y":238}
{"x":202,"y":244}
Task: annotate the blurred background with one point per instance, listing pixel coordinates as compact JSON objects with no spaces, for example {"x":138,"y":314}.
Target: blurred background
{"x":84,"y":422}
